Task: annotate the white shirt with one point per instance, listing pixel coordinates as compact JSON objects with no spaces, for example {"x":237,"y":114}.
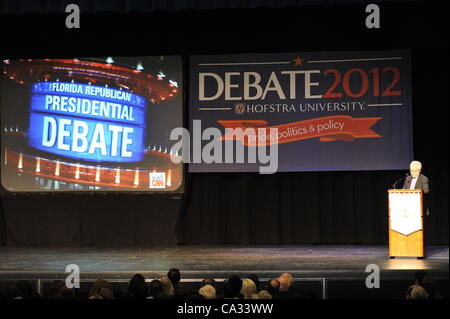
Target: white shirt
{"x":413,"y":183}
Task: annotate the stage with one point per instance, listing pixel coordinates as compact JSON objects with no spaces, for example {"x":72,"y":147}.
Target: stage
{"x":324,"y":268}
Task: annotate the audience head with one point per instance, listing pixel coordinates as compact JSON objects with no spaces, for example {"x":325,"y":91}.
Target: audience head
{"x":236,"y":283}
{"x":167,"y":286}
{"x":286,"y":281}
{"x":208,"y":291}
{"x":273,"y":286}
{"x":284,"y":284}
{"x":174,"y":276}
{"x":419,"y":275}
{"x":209,"y":281}
{"x":98,"y":285}
{"x":229,"y":291}
{"x":137,"y":288}
{"x":248,"y":288}
{"x":155,"y":287}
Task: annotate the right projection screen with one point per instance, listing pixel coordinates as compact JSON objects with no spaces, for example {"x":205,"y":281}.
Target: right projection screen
{"x":332,"y":111}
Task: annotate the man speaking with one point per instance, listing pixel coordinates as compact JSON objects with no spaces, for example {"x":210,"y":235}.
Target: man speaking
{"x":417,"y":180}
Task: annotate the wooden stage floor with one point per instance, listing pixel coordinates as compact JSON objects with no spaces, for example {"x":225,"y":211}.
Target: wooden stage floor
{"x":311,"y":261}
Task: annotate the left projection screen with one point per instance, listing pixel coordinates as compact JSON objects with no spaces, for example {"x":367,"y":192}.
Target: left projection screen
{"x":91,"y":124}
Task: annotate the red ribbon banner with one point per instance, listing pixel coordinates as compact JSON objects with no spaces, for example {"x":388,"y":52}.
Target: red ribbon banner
{"x":327,"y":129}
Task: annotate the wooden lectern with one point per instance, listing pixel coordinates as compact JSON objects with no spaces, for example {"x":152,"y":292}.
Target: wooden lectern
{"x":406,"y":223}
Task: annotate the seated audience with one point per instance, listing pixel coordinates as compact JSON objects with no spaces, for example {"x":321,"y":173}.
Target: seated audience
{"x":97,"y":286}
{"x":106,"y":293}
{"x":236,"y":284}
{"x":284,"y":289}
{"x":248,"y":288}
{"x":289,"y":280}
{"x":180,"y":291}
{"x":229,"y":291}
{"x":416,"y":292}
{"x":208,"y":291}
{"x":209,"y":281}
{"x":137,"y":288}
{"x":156,"y":289}
{"x":234,"y":287}
{"x":168,"y":292}
{"x":273,"y":286}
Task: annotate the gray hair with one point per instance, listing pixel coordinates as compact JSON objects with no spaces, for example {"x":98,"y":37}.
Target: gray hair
{"x":415,"y":165}
{"x":208,"y":291}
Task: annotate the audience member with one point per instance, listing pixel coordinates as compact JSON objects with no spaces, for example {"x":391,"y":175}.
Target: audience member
{"x":174,"y":276}
{"x":273,"y":286}
{"x":180,"y":291}
{"x":248,"y":288}
{"x":236,"y":284}
{"x":229,"y":291}
{"x":167,"y":288}
{"x":137,"y":288}
{"x":209,"y":281}
{"x":284,"y":290}
{"x":106,"y":293}
{"x":156,"y":289}
{"x":289,"y":280}
{"x":416,"y":292}
{"x":208,"y":291}
{"x":98,"y":285}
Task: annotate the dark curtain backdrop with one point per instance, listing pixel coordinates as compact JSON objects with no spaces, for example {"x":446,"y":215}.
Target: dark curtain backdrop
{"x":228,"y":208}
{"x":90,"y":220}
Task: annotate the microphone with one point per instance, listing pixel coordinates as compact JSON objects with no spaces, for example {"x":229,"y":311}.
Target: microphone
{"x":395,"y":184}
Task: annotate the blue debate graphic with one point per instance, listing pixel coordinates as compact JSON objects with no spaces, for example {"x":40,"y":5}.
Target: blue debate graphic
{"x":88,"y":122}
{"x":85,"y":125}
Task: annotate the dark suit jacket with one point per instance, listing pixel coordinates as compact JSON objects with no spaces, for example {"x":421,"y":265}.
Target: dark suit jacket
{"x":422,"y":183}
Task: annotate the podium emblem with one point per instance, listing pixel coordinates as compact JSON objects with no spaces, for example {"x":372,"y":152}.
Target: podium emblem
{"x":405,"y":213}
